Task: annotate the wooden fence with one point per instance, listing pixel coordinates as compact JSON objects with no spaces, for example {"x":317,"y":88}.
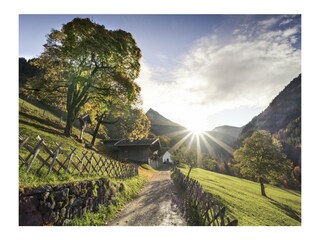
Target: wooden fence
{"x":41,"y":159}
{"x":200,"y":206}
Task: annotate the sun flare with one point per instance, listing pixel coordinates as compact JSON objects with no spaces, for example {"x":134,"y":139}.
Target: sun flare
{"x":196,"y":129}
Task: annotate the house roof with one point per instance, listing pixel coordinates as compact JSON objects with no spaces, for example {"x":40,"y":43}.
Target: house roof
{"x":169,"y":150}
{"x":110,"y":141}
{"x":153,"y":144}
{"x":143,"y":142}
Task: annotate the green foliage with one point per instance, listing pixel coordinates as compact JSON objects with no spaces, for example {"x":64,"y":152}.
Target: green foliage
{"x":165,"y":141}
{"x":209,"y":163}
{"x":133,"y":124}
{"x":184,"y":155}
{"x":26,"y":71}
{"x":106,"y":213}
{"x":244,"y":202}
{"x":291,"y":134}
{"x":261,"y":156}
{"x":86,"y":63}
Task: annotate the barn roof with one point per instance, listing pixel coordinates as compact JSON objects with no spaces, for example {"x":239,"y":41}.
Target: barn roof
{"x":153,"y":144}
{"x":164,"y":150}
{"x":142,"y":142}
{"x":110,"y":141}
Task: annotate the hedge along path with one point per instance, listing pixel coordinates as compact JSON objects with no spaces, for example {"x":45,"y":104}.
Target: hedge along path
{"x":41,"y":159}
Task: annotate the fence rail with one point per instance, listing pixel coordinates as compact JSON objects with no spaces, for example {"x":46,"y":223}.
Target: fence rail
{"x":200,"y":206}
{"x":42,"y":159}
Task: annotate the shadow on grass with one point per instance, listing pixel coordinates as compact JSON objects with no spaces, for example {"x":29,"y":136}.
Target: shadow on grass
{"x":288,"y":210}
{"x":41,"y":120}
{"x":292,"y":192}
{"x":40,"y":127}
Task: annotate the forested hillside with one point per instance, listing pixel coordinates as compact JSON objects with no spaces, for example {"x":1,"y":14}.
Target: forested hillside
{"x":283,"y":119}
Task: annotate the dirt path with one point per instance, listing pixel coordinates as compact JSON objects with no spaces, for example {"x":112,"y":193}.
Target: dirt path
{"x":156,"y":205}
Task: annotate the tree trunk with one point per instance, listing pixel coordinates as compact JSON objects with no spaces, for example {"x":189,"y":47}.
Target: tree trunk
{"x":69,"y":125}
{"x":99,"y":121}
{"x":263,"y":192}
{"x":75,"y":100}
{"x":94,"y":136}
{"x":189,"y":172}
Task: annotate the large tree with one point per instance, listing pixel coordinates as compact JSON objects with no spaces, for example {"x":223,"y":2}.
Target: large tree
{"x":84,"y":61}
{"x":261,"y":158}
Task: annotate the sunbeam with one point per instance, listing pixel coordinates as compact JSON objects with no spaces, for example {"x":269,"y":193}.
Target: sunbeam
{"x":178,"y":144}
{"x":220,"y":143}
{"x":191,"y":141}
{"x":199,"y":159}
{"x":176,"y":133}
{"x":207,"y":145}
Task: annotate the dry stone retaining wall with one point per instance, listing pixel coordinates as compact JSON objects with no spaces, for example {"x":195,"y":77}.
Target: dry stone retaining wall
{"x":56,"y":205}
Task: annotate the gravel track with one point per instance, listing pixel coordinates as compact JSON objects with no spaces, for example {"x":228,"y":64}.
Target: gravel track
{"x":156,"y":205}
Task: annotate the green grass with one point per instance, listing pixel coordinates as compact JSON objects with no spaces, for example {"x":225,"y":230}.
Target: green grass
{"x":281,"y":207}
{"x":44,"y":121}
{"x":32,"y":122}
{"x":108,"y":212}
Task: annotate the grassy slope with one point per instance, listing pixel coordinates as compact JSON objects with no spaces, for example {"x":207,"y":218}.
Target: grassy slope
{"x":33,"y":119}
{"x":244,"y":202}
{"x":32,"y":122}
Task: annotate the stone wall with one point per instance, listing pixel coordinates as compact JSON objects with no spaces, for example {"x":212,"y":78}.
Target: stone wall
{"x":55,"y":205}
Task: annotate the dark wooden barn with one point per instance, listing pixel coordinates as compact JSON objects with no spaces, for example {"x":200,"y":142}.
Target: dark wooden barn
{"x":138,"y":150}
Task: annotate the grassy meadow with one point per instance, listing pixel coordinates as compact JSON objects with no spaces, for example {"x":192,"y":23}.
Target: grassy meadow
{"x":281,"y":207}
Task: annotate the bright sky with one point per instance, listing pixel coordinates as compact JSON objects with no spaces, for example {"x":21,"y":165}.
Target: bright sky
{"x":203,"y":70}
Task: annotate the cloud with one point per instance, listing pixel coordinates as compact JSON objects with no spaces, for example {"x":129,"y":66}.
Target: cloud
{"x":236,"y":31}
{"x":286,"y":21}
{"x":267,"y":23}
{"x":211,"y":77}
{"x":291,"y":31}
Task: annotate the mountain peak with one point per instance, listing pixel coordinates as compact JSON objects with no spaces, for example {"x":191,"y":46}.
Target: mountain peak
{"x":157,"y":119}
{"x":161,"y":125}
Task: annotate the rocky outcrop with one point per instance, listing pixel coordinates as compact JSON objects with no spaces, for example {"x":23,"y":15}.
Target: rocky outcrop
{"x":56,"y":205}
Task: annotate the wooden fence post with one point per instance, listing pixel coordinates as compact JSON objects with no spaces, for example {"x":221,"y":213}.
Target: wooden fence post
{"x":69,"y":159}
{"x":56,"y":152}
{"x":90,"y":166}
{"x":94,"y":165}
{"x":36,"y":152}
{"x":23,"y":142}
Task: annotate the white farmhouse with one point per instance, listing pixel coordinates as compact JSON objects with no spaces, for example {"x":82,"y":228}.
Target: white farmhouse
{"x":167,"y":158}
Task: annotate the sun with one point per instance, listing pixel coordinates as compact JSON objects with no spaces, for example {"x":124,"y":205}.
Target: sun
{"x":196,"y":129}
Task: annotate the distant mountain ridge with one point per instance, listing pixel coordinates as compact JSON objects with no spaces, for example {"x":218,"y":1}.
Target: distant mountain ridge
{"x":227,"y":134}
{"x":283,"y":109}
